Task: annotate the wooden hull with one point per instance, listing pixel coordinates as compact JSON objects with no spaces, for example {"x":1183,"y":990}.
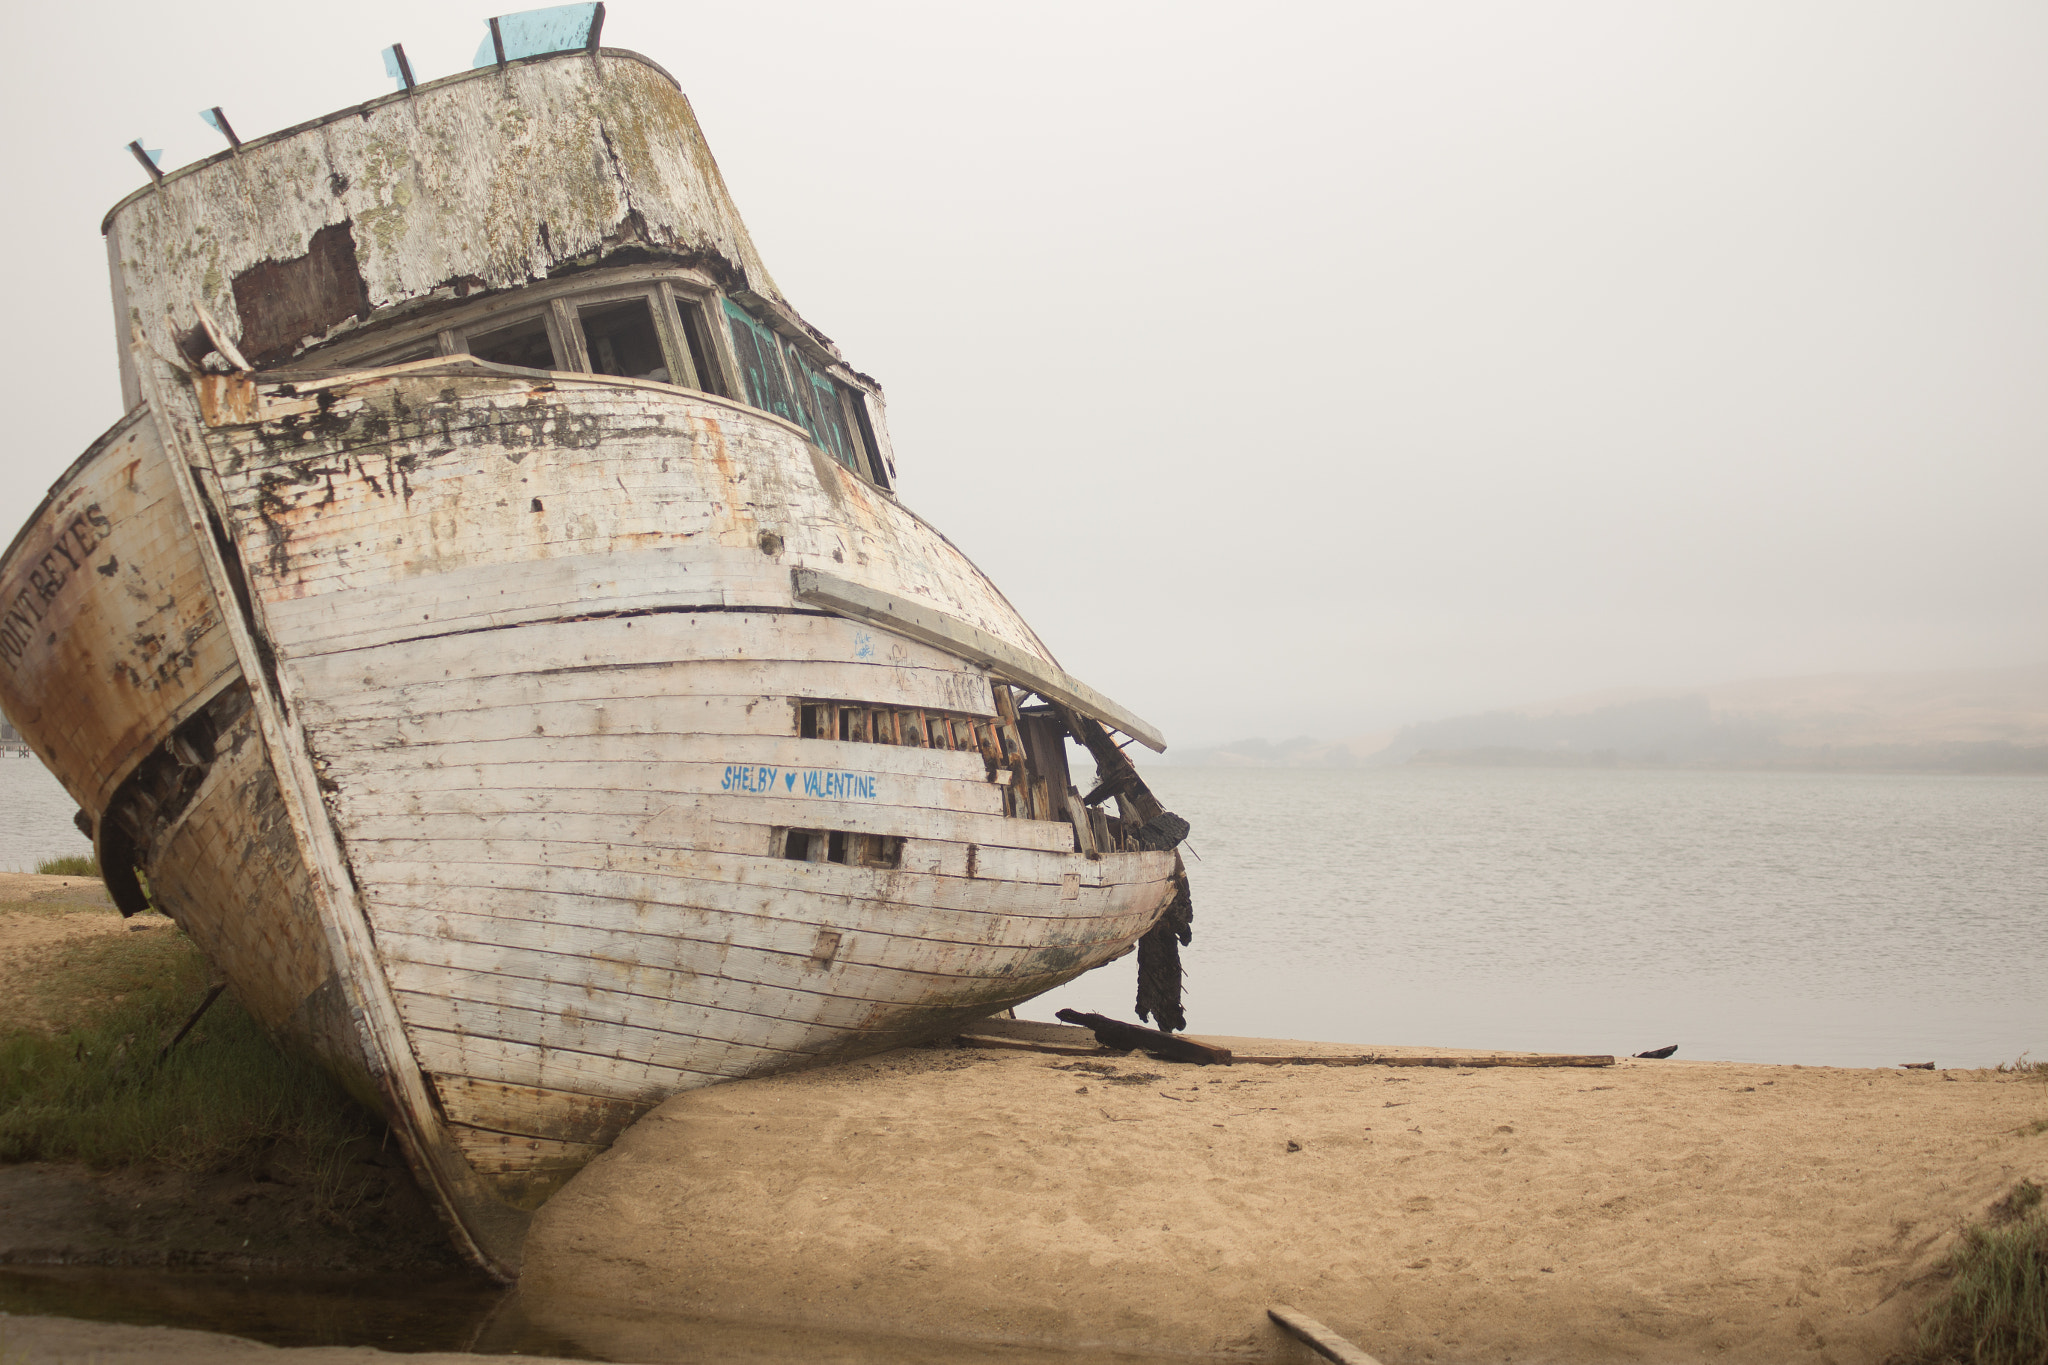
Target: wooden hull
{"x":507,"y":771}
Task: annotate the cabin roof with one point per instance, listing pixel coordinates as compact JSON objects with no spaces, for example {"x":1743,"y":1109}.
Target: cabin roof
{"x":367,"y":106}
{"x":485,"y":181}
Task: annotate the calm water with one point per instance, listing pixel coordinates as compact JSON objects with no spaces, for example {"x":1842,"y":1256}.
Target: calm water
{"x":1846,"y":920}
{"x":35,"y":816}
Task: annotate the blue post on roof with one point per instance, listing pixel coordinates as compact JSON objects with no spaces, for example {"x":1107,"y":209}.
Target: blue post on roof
{"x":218,"y":121}
{"x":537,"y":32}
{"x":151,"y":159}
{"x":397,"y":67}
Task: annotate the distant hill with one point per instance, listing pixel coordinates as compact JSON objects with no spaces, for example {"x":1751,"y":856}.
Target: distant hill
{"x":1980,"y":720}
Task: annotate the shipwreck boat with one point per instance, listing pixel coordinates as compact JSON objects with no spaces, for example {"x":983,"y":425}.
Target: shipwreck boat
{"x":494,"y":635}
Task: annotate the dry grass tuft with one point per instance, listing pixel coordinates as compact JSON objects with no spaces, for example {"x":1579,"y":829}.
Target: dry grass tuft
{"x":91,"y":1087}
{"x":1995,"y":1309}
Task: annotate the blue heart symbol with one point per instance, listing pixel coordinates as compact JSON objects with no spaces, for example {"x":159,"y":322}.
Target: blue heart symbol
{"x":789,"y":781}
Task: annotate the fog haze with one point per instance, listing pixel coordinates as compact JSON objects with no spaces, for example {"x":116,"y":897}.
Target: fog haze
{"x":1310,"y":368}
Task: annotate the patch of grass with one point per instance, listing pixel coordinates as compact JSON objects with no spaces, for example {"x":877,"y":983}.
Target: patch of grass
{"x":2022,"y":1066}
{"x":70,"y":865}
{"x":1995,"y":1309}
{"x":93,"y":1090}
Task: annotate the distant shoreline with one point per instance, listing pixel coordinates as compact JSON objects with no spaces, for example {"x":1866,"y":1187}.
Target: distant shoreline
{"x":1901,"y":761}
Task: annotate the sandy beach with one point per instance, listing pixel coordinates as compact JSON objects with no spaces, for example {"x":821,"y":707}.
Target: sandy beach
{"x":947,"y":1204}
{"x":1651,"y":1211}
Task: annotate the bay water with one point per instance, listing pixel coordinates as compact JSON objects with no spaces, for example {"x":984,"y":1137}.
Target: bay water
{"x":1818,"y":918}
{"x":35,"y":816}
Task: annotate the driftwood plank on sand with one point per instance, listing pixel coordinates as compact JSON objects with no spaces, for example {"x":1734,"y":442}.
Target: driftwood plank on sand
{"x":1079,"y":1042}
{"x":1317,"y":1337}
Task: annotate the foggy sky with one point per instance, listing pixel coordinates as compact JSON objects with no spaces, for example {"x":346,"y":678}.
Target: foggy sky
{"x":1304,"y":368}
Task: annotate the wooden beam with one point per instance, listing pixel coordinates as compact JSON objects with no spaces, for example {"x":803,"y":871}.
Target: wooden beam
{"x":156,"y":174}
{"x":1317,"y":1337}
{"x":1115,"y":1033}
{"x":1448,"y":1061}
{"x":928,"y":625}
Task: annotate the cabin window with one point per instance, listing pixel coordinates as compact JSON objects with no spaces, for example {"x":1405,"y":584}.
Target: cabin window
{"x":525,"y":343}
{"x":853,"y":408}
{"x":696,"y":330}
{"x":621,"y":339}
{"x":760,"y":355}
{"x":822,"y":413}
{"x":780,"y":380}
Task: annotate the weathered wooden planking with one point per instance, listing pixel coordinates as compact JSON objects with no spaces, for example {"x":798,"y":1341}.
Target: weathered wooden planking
{"x":689,"y":970}
{"x":702,"y":1038}
{"x":557,"y":1032}
{"x":631,"y":852}
{"x":744,"y":718}
{"x":603,"y":1040}
{"x":293,"y":513}
{"x":784,"y":1027}
{"x":677,"y":840}
{"x":532,"y":1111}
{"x":446,"y":1054}
{"x":754,"y":951}
{"x":496,"y":596}
{"x":637,"y":741}
{"x":621,"y":642}
{"x":400,"y":784}
{"x":585,"y":815}
{"x":108,"y":634}
{"x":871,"y":684}
{"x":989,"y":863}
{"x":737,"y":883}
{"x":501,"y":1153}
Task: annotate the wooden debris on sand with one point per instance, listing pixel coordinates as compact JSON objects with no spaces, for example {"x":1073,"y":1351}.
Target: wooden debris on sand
{"x":1074,"y":1040}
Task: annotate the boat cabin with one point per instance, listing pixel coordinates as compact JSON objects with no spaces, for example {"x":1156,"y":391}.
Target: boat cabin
{"x":552,"y":210}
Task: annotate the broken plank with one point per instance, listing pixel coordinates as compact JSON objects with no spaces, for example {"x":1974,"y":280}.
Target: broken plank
{"x":1445,"y":1060}
{"x":982,"y":1040}
{"x":1115,"y":1033}
{"x":366,"y":696}
{"x":1317,"y":1337}
{"x":923,"y":622}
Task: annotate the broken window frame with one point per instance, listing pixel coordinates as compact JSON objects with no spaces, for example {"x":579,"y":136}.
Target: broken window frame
{"x":572,"y":307}
{"x":695,"y":322}
{"x":800,"y":375}
{"x":686,"y":311}
{"x":456,"y":340}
